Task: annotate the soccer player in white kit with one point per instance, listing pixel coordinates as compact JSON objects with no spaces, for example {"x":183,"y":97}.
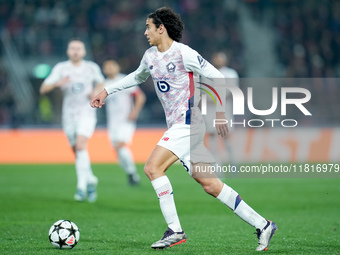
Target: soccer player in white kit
{"x":79,"y":81}
{"x":172,"y":65}
{"x":220,"y":61}
{"x":122,"y":112}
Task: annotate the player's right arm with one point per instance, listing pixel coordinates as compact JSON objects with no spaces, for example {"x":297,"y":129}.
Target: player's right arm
{"x":45,"y":88}
{"x":54,"y":80}
{"x":193,"y":62}
{"x":140,"y":99}
{"x":133,"y":79}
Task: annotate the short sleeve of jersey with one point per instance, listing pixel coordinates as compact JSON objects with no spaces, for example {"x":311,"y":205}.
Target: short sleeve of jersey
{"x":98,"y":76}
{"x":54,"y":76}
{"x":135,"y":90}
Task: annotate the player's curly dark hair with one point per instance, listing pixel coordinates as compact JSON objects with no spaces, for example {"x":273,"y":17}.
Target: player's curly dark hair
{"x":171,"y":20}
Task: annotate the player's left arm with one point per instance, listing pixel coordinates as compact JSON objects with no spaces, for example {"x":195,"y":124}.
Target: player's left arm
{"x":140,"y":99}
{"x":194,"y":62}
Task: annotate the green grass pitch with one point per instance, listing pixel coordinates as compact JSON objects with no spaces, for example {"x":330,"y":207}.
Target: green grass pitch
{"x":126,"y":220}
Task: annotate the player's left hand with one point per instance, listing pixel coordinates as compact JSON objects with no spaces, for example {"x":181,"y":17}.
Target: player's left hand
{"x":98,"y":101}
{"x":222,"y":128}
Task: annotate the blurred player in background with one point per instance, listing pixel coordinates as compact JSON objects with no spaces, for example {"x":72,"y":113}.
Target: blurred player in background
{"x":172,"y":66}
{"x":220,"y":61}
{"x":122,"y":112}
{"x":79,"y":81}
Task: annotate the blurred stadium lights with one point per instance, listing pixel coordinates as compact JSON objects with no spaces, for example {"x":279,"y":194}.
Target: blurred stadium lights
{"x":41,"y":71}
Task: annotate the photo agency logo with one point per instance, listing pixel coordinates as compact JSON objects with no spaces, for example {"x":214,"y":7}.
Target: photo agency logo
{"x":302,"y":96}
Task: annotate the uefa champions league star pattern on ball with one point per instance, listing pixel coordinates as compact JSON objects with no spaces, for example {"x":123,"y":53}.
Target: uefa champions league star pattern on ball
{"x":64,"y":234}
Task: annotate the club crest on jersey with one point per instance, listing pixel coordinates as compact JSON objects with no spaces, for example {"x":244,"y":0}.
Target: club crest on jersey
{"x":77,"y":88}
{"x":151,"y":67}
{"x":171,"y":67}
{"x":201,"y":61}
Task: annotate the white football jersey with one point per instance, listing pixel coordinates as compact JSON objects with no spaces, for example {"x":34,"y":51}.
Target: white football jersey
{"x":172,"y":72}
{"x":77,"y":92}
{"x":232,"y":78}
{"x":119,"y":105}
{"x":231,"y":75}
{"x":228,"y":72}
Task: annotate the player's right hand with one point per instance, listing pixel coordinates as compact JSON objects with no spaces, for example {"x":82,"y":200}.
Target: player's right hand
{"x":98,"y":100}
{"x":61,"y":82}
{"x":222,"y":129}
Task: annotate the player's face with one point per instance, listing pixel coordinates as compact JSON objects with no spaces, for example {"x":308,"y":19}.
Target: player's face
{"x":152,"y":33}
{"x":218,"y":61}
{"x":110,"y":68}
{"x":76,"y":51}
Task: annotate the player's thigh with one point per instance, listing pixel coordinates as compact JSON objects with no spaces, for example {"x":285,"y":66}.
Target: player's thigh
{"x":201,"y":158}
{"x":119,"y":145}
{"x":86,"y":126}
{"x":121,"y":133}
{"x":177,"y":140}
{"x":159,"y":161}
{"x":70,"y":130}
{"x":85,"y":129}
{"x":209,"y":123}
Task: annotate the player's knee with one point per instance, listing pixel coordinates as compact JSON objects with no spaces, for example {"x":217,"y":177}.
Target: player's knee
{"x":79,"y":147}
{"x":81,"y":143}
{"x":151,"y":171}
{"x":119,"y":145}
{"x":148,"y":170}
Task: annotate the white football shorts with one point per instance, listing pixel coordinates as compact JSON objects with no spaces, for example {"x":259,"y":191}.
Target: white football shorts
{"x":83,"y":126}
{"x":186,"y":142}
{"x":121,"y":132}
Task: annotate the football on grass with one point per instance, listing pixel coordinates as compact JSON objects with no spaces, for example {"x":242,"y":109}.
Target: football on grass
{"x":64,"y":234}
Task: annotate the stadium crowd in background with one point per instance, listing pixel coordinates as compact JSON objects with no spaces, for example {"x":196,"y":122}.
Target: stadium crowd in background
{"x":307,"y":36}
{"x":37,"y":24}
{"x":40,"y":29}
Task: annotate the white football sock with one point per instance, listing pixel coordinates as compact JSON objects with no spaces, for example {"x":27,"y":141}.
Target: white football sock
{"x":82,"y":162}
{"x":126,"y":160}
{"x":84,"y":170}
{"x":164,"y":192}
{"x":232,"y":199}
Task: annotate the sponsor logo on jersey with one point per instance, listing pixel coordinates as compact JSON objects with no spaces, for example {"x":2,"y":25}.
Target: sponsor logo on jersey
{"x":171,"y":67}
{"x":201,"y":61}
{"x":164,"y":193}
{"x":77,"y":88}
{"x":165,"y":138}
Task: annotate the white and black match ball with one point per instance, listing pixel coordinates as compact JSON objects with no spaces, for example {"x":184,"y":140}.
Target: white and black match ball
{"x":64,"y":234}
